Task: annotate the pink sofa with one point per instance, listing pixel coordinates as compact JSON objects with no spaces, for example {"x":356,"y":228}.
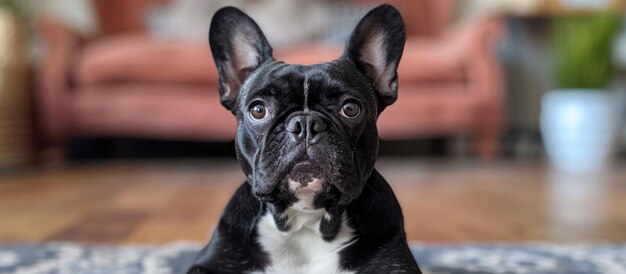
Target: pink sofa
{"x":125,"y":83}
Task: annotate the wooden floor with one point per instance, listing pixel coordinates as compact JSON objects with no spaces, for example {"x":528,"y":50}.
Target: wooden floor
{"x":158,"y":202}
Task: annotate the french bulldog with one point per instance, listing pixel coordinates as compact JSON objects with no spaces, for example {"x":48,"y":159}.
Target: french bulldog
{"x":307,"y":142}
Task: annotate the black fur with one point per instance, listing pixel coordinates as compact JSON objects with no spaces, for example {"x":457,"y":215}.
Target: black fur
{"x":304,"y":137}
{"x":233,"y":247}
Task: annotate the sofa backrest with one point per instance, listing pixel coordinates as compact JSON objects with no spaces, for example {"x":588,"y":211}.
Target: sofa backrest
{"x":425,"y":17}
{"x":422,"y":17}
{"x":121,"y":16}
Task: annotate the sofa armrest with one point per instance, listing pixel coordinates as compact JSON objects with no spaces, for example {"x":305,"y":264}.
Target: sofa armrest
{"x":485,"y":81}
{"x":483,"y":63}
{"x":52,"y":77}
{"x":475,"y":42}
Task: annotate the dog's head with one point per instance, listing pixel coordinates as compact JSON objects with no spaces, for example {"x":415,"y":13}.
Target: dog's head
{"x":307,"y":134}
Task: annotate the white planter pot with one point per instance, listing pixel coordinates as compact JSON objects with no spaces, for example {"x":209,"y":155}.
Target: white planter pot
{"x":579,"y":128}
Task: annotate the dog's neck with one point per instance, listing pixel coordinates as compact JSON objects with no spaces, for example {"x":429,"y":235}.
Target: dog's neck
{"x":303,"y":242}
{"x":291,"y":219}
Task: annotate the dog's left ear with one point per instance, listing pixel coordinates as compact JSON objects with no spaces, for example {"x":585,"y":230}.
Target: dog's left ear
{"x":376,"y":46}
{"x":238,"y":47}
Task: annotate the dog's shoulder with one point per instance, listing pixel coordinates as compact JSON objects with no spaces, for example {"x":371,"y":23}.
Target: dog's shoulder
{"x":234,"y":247}
{"x":241,"y":212}
{"x":377,"y":219}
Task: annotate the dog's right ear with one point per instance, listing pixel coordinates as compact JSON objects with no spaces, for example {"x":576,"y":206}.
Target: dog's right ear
{"x":238,"y":47}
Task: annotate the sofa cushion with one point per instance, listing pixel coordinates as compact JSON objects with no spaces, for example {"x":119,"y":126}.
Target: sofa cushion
{"x":428,"y":60}
{"x":169,"y":111}
{"x":141,"y":58}
{"x":434,"y":109}
{"x":310,"y":54}
{"x":423,"y":60}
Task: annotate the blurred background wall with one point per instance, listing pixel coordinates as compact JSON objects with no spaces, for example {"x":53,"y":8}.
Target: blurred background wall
{"x":135,"y":78}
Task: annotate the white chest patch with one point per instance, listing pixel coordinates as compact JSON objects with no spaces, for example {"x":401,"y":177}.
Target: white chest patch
{"x":301,"y":250}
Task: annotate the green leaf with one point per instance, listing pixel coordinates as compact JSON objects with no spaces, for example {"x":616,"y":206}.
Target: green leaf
{"x":583,"y":47}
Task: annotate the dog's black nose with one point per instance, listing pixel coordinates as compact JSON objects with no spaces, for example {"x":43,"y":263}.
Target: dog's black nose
{"x":306,"y":126}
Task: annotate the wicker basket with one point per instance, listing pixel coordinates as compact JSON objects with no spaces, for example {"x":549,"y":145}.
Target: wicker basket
{"x":16,"y":128}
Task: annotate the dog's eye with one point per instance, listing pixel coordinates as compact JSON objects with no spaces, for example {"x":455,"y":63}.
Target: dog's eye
{"x":350,"y":110}
{"x":258,"y":111}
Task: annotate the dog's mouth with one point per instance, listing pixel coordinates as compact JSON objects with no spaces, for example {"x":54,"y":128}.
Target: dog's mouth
{"x":304,"y":172}
{"x":307,"y":181}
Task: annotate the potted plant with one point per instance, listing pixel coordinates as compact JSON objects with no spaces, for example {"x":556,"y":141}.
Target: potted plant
{"x":579,"y":120}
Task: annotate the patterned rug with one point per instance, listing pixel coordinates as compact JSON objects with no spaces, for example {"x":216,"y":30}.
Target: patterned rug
{"x":65,"y":258}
